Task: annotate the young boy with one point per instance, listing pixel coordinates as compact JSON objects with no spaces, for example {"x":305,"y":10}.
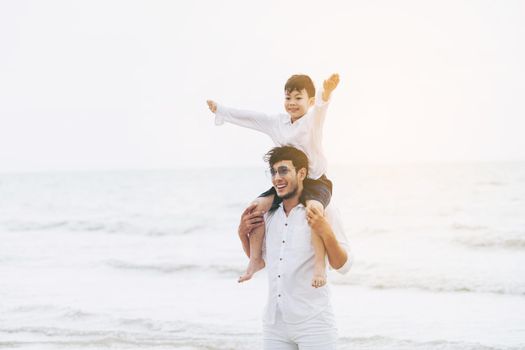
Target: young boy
{"x":301,"y":128}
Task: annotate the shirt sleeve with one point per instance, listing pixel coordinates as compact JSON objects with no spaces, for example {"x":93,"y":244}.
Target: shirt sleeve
{"x":248,"y":119}
{"x":319,"y":110}
{"x":334,"y":218}
{"x":263,"y":255}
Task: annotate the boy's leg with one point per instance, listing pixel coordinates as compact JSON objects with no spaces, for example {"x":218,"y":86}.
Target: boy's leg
{"x":319,"y":278}
{"x":256,"y":241}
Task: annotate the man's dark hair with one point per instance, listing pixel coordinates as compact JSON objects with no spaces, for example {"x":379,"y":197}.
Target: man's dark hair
{"x":299,"y":82}
{"x":277,"y":154}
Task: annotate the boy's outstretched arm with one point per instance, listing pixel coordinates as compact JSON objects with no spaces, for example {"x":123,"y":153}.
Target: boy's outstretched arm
{"x":329,"y":85}
{"x":245,"y":118}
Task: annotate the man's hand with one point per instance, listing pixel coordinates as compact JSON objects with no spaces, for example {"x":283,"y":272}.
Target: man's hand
{"x":250,"y":219}
{"x":317,"y":221}
{"x":329,"y":85}
{"x":337,"y":255}
{"x":212,"y":106}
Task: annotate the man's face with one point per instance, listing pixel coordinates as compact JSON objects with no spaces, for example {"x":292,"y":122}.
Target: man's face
{"x":286,"y":180}
{"x":296,"y":103}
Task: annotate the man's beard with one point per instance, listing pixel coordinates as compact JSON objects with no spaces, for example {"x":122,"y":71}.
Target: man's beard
{"x":290,"y":194}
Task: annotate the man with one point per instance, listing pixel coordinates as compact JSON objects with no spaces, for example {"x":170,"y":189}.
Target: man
{"x":297,"y":316}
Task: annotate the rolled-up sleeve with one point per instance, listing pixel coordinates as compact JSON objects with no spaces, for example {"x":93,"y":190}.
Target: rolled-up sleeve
{"x":334,"y":218}
{"x":348,"y":264}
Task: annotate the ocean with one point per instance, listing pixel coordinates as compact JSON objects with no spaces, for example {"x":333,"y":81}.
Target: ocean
{"x":150,"y":259}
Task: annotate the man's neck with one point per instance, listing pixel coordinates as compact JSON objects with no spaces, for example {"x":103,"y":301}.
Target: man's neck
{"x":290,"y":203}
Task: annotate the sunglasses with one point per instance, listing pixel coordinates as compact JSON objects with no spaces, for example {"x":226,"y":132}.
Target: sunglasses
{"x":282,"y":171}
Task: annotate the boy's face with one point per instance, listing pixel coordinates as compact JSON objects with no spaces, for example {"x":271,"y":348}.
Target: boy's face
{"x":297,"y":103}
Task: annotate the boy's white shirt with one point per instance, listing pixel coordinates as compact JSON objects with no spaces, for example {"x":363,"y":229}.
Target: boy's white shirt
{"x":306,"y":133}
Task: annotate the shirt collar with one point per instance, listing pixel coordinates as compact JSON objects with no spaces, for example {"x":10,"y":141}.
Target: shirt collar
{"x":300,"y":205}
{"x":285,"y":119}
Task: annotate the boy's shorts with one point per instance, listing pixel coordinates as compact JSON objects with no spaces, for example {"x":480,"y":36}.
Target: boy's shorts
{"x":319,"y":190}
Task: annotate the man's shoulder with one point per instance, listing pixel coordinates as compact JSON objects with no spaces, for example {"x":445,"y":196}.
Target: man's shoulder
{"x":270,"y":214}
{"x":332,"y":213}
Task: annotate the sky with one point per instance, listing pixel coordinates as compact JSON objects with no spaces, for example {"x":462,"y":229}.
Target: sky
{"x":101,"y":85}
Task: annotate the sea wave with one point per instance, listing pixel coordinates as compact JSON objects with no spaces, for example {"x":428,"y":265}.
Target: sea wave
{"x":516,"y":242}
{"x":126,"y":333}
{"x":69,"y":314}
{"x":119,"y":227}
{"x":492,"y":183}
{"x":480,"y":236}
{"x":466,"y":227}
{"x":50,"y":337}
{"x":374,"y":231}
{"x":379,"y":343}
{"x":432,"y":281}
{"x":53,"y":311}
{"x":377,"y":284}
{"x":170,"y":268}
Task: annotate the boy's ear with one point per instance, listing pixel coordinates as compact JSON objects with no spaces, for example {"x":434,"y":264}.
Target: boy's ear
{"x":311,"y":101}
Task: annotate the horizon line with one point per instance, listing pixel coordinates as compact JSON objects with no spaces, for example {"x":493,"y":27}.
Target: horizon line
{"x":248,"y":165}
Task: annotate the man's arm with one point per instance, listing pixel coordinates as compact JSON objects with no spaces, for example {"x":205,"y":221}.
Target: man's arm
{"x":250,"y":220}
{"x":337,"y":255}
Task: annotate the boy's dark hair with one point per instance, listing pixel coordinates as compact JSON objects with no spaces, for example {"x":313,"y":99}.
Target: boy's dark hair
{"x":299,"y":82}
{"x":277,"y":154}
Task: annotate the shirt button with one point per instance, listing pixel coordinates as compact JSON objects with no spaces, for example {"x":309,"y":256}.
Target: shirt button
{"x":286,"y":224}
{"x":283,"y":241}
{"x":279,"y":276}
{"x":281,"y":259}
{"x":279,"y":295}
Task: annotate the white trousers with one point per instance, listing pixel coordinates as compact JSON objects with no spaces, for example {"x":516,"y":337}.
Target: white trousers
{"x":318,"y":333}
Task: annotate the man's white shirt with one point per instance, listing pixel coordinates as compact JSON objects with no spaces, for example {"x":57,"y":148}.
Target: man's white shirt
{"x":289,"y":257}
{"x":306,"y":133}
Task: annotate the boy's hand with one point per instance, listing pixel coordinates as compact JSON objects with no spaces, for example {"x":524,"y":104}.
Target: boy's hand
{"x":329,"y":85}
{"x":212,"y":105}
